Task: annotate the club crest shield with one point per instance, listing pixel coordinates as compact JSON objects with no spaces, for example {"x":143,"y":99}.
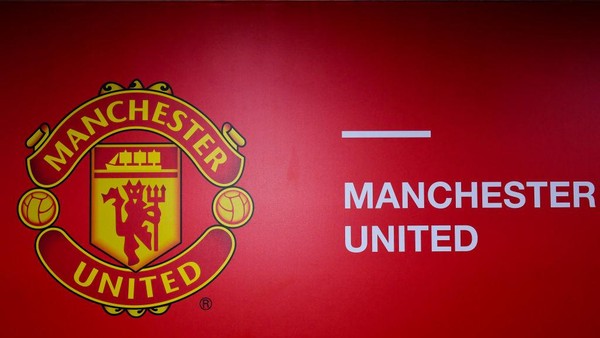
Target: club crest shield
{"x":135,"y":201}
{"x":136,"y":260}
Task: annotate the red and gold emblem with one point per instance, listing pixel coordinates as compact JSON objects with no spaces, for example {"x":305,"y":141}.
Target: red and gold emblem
{"x":135,"y":202}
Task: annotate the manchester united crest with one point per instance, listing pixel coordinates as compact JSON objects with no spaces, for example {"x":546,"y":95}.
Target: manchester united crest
{"x":135,"y":198}
{"x":135,"y":201}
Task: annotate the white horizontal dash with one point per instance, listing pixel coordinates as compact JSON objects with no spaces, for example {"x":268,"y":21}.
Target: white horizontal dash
{"x":386,"y":133}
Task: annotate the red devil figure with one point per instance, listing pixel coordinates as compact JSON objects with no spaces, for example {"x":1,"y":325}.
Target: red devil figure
{"x":138,"y":214}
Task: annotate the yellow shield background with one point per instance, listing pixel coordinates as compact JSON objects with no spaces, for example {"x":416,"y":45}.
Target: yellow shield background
{"x":129,"y":182}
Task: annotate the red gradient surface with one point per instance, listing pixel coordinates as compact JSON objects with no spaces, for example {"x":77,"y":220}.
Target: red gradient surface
{"x":509,"y":91}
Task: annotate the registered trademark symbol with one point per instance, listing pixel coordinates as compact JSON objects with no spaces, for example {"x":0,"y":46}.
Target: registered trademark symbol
{"x":205,"y":303}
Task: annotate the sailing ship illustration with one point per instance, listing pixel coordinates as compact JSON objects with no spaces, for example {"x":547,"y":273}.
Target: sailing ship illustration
{"x":138,"y":161}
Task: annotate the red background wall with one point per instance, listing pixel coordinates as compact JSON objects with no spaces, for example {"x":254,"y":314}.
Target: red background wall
{"x":510,"y":92}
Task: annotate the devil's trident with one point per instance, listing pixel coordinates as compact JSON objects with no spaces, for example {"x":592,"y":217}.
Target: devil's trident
{"x":154,"y":197}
